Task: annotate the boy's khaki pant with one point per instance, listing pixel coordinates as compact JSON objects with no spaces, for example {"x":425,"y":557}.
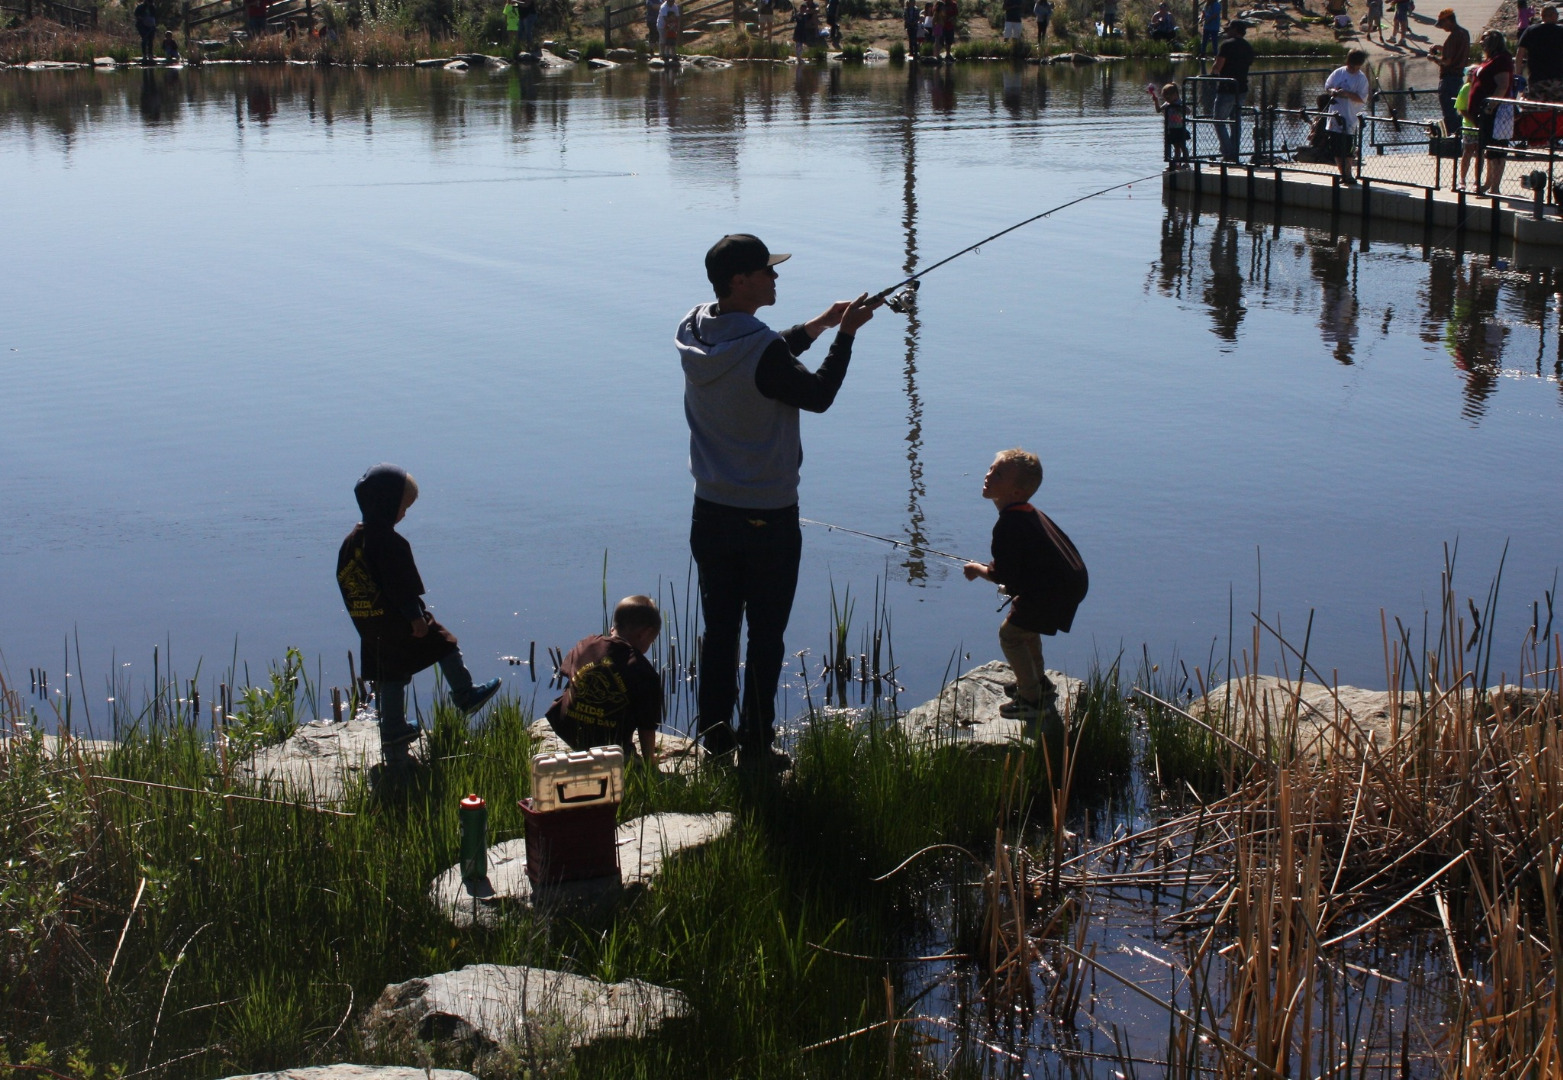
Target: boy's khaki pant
{"x":1023,"y":651}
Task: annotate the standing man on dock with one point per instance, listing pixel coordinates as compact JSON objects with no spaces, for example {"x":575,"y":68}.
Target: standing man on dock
{"x":1348,"y":90}
{"x":1452,"y":56}
{"x":1233,"y":58}
{"x":743,"y":387}
{"x":1540,"y":53}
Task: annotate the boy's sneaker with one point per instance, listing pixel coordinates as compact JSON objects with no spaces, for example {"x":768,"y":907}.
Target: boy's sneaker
{"x":474,"y":699}
{"x":393,"y":737}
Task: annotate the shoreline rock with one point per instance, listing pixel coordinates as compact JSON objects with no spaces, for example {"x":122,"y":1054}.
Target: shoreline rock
{"x":967,"y":708}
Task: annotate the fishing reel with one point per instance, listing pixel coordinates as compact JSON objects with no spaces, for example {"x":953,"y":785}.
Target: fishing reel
{"x":901,"y":302}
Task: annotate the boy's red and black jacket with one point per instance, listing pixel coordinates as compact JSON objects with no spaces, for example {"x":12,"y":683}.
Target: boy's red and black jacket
{"x":1038,"y":565}
{"x":375,"y":568}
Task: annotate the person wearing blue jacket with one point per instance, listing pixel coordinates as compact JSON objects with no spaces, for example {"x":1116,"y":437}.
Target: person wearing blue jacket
{"x":743,"y":389}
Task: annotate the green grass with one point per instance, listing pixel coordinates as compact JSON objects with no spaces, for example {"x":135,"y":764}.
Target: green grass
{"x":265,"y":931}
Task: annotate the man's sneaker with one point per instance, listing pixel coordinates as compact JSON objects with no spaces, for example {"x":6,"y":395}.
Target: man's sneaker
{"x":474,"y":699}
{"x":1009,"y":689}
{"x":1020,"y":709}
{"x":392,"y":737}
{"x":767,"y":760}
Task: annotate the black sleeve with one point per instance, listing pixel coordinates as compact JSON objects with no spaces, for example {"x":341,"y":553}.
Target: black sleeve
{"x":781,"y":378}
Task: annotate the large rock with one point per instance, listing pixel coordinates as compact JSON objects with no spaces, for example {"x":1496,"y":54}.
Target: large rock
{"x":676,"y":754}
{"x":456,"y":65}
{"x":321,"y":760}
{"x":104,"y":62}
{"x":432,"y":62}
{"x":622,"y":56}
{"x":600,"y":64}
{"x":644,"y":843}
{"x":359,"y":1072}
{"x":967,"y":710}
{"x":547,"y":59}
{"x":483,"y":60}
{"x":488,"y":1007}
{"x":1267,"y":702}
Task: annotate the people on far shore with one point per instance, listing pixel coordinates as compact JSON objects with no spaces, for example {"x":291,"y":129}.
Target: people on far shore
{"x":145,"y":18}
{"x":1109,"y":17}
{"x":1347,"y":87}
{"x":1014,"y":29}
{"x":951,"y":20}
{"x":668,"y":29}
{"x":1043,"y":13}
{"x":1037,"y":565}
{"x":1400,"y":29}
{"x":1452,"y":56}
{"x":1211,"y":13}
{"x":911,"y":22}
{"x":255,"y":12}
{"x":833,"y":22}
{"x":805,"y":29}
{"x":1523,"y":16}
{"x":1373,"y":20}
{"x":1163,"y":26}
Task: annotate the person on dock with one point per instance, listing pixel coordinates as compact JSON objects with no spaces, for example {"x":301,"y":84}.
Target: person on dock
{"x":668,"y":29}
{"x":743,"y":389}
{"x":614,"y":694}
{"x":145,"y":17}
{"x":397,"y":634}
{"x":1540,"y":56}
{"x":1044,"y":576}
{"x":1347,"y":87}
{"x":1233,"y":60}
{"x":653,"y":36}
{"x":1043,"y":13}
{"x":1211,"y":13}
{"x":1174,"y":124}
{"x":170,"y":48}
{"x":1494,"y":120}
{"x":1470,"y":140}
{"x":1452,"y":57}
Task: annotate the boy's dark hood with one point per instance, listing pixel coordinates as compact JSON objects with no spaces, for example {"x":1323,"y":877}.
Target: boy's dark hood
{"x":379,"y":494}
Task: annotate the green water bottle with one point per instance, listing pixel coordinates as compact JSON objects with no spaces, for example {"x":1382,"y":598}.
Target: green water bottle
{"x":474,"y":838}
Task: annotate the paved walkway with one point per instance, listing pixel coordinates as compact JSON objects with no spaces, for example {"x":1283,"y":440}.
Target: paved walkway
{"x":1474,"y":15}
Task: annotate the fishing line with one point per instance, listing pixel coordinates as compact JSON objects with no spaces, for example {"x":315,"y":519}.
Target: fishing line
{"x":884,"y":540}
{"x":912,"y":281}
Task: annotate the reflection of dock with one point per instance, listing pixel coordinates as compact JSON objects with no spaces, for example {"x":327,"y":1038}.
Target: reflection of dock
{"x":1491,"y":218}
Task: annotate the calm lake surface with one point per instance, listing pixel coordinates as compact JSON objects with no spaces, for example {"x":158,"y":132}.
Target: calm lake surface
{"x":230,"y":291}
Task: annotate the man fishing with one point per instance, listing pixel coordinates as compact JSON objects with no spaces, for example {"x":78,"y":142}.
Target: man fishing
{"x":743,"y":388}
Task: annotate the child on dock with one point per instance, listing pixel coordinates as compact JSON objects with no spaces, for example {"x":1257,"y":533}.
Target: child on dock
{"x":398,"y":636}
{"x":613,"y":690}
{"x":1174,"y":124}
{"x":1038,"y":566}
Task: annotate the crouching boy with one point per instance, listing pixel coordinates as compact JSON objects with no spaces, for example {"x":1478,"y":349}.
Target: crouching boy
{"x":397,"y":635}
{"x":1038,"y":566}
{"x":613,"y":690}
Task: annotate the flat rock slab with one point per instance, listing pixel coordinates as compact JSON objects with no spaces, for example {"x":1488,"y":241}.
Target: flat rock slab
{"x":318,"y":762}
{"x":1268,"y":699}
{"x":358,"y":1072}
{"x":622,"y":56}
{"x":967,"y":710}
{"x":644,"y":843}
{"x":484,"y":1007}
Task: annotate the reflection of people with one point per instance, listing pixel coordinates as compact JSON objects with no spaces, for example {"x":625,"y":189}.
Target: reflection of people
{"x":1475,"y":338}
{"x":1348,"y":90}
{"x":743,"y":388}
{"x":1452,"y":57}
{"x":614,"y":693}
{"x":397,"y":634}
{"x":1338,"y":300}
{"x":146,"y":25}
{"x":1224,"y":288}
{"x":1038,"y":566}
{"x":1233,"y":59}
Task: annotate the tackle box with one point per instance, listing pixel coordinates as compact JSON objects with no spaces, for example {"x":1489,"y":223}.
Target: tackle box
{"x":576,"y":779}
{"x":570,"y":817}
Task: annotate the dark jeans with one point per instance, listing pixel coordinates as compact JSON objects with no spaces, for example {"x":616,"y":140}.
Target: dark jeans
{"x":1448,"y":88}
{"x":146,"y":43}
{"x":390,"y":698}
{"x":748,"y":562}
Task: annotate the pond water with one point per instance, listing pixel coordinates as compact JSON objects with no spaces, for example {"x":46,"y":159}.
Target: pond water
{"x":231,"y":290}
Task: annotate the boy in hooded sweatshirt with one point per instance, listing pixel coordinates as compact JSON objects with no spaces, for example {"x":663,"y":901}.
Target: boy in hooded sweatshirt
{"x":398,"y":636}
{"x":743,"y":389}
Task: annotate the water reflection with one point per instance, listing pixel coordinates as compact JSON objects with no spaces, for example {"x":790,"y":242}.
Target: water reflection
{"x":916,"y":565}
{"x":1475,"y":309}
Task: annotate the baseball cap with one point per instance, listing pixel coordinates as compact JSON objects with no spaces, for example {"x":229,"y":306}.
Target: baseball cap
{"x":738,"y":253}
{"x":1447,"y":13}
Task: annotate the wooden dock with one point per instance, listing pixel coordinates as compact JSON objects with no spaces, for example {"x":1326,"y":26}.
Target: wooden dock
{"x":1495,"y":219}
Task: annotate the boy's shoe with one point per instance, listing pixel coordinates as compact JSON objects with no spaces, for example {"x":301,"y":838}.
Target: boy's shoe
{"x":392,"y":737}
{"x":474,"y":699}
{"x":719,"y":742}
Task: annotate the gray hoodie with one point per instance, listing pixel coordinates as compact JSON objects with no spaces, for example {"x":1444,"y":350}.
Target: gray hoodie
{"x":744,"y":448}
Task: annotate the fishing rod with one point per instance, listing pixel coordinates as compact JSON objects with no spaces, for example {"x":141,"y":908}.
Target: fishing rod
{"x":884,"y":540}
{"x":897,"y":303}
